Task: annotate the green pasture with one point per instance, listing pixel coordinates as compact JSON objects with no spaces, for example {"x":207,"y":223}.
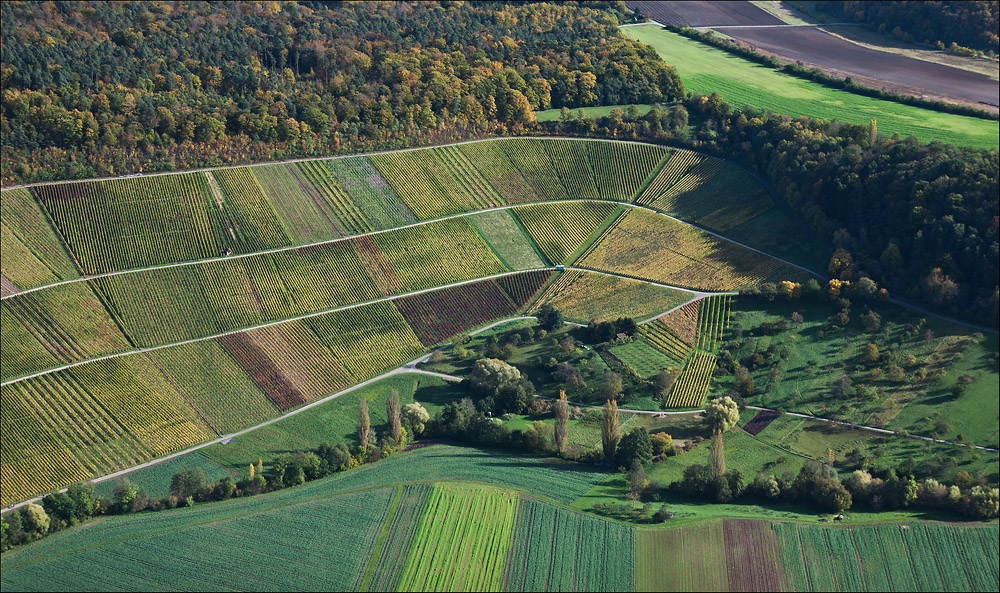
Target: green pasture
{"x":705,"y":69}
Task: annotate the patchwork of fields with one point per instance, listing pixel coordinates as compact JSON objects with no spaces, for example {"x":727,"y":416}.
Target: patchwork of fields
{"x":397,"y":534}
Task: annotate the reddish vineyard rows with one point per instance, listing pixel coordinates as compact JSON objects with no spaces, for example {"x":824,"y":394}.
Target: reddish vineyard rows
{"x":523,"y":288}
{"x":441,"y":314}
{"x":262,"y":370}
{"x":759,"y":422}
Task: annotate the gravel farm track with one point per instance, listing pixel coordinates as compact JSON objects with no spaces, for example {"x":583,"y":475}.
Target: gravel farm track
{"x":815,"y":47}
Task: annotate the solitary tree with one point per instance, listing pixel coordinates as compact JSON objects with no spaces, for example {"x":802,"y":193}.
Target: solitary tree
{"x":611,"y":387}
{"x":417,"y":416}
{"x":721,"y":414}
{"x":717,"y":456}
{"x":364,"y":424}
{"x":561,"y":411}
{"x":609,"y":430}
{"x":392,"y":413}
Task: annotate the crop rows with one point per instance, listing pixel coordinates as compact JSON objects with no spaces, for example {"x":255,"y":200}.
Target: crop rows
{"x":213,"y":385}
{"x":572,"y":163}
{"x":611,"y":227}
{"x":496,"y":167}
{"x":431,"y":255}
{"x":478,"y":193}
{"x":620,"y":169}
{"x":505,"y":236}
{"x":17,"y":260}
{"x":680,"y":162}
{"x":370,"y":192}
{"x":893,"y":557}
{"x":650,"y":246}
{"x":462,"y":541}
{"x":367,"y":340}
{"x":560,"y":229}
{"x":131,"y":223}
{"x":688,"y":559}
{"x":352,"y":219}
{"x":306,"y":215}
{"x":23,"y":353}
{"x":683,"y":322}
{"x":563,"y":281}
{"x":644,"y":358}
{"x":68,"y":321}
{"x":31,"y":234}
{"x":600,"y":297}
{"x":691,"y":386}
{"x":760,"y":421}
{"x":257,"y":224}
{"x":386,"y":565}
{"x":438,"y":315}
{"x":715,"y":194}
{"x":658,"y":336}
{"x":714,"y":319}
{"x":556,"y":549}
{"x":523,"y":288}
{"x":423,"y":183}
{"x":301,"y":359}
{"x":86,"y":421}
{"x":533,"y":162}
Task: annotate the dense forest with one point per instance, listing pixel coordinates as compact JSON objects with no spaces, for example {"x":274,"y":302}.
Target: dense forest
{"x":97,"y":88}
{"x":970,"y":24}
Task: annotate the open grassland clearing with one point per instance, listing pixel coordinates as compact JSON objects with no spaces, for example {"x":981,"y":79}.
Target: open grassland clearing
{"x":69,"y":321}
{"x":894,"y":557}
{"x":462,"y":540}
{"x":815,"y":367}
{"x":509,"y":241}
{"x":705,"y":69}
{"x":649,"y":246}
{"x":556,"y":549}
{"x":304,"y":213}
{"x":431,"y":255}
{"x":560,"y":229}
{"x":28,"y":237}
{"x":267,"y":542}
{"x":438,"y":315}
{"x":119,"y":224}
{"x":370,"y":192}
{"x":593,"y":296}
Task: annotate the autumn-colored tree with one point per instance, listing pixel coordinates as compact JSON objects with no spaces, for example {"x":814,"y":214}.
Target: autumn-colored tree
{"x":392,"y":414}
{"x":609,"y":430}
{"x":561,"y":412}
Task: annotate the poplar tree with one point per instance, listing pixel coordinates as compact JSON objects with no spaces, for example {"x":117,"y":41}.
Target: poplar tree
{"x":609,"y":430}
{"x":392,"y":413}
{"x":562,"y":421}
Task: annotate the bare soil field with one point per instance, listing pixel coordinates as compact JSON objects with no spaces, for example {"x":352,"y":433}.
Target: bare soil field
{"x":813,"y":46}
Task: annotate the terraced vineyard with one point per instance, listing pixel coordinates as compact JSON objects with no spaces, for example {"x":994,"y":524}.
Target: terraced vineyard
{"x":691,"y":386}
{"x":206,"y":380}
{"x":561,"y":229}
{"x":649,"y":246}
{"x":601,"y":297}
{"x":713,"y":321}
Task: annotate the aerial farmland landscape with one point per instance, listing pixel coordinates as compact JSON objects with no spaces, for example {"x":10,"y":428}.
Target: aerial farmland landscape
{"x":500,"y":296}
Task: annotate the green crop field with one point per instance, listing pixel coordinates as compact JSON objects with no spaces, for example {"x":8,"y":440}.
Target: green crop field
{"x":305,"y":214}
{"x":461,"y":542}
{"x":648,"y":361}
{"x":705,"y":69}
{"x":907,"y":557}
{"x":328,"y":185}
{"x":601,"y":297}
{"x":370,"y":192}
{"x":385,"y":567}
{"x":603,"y":111}
{"x":555,"y":549}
